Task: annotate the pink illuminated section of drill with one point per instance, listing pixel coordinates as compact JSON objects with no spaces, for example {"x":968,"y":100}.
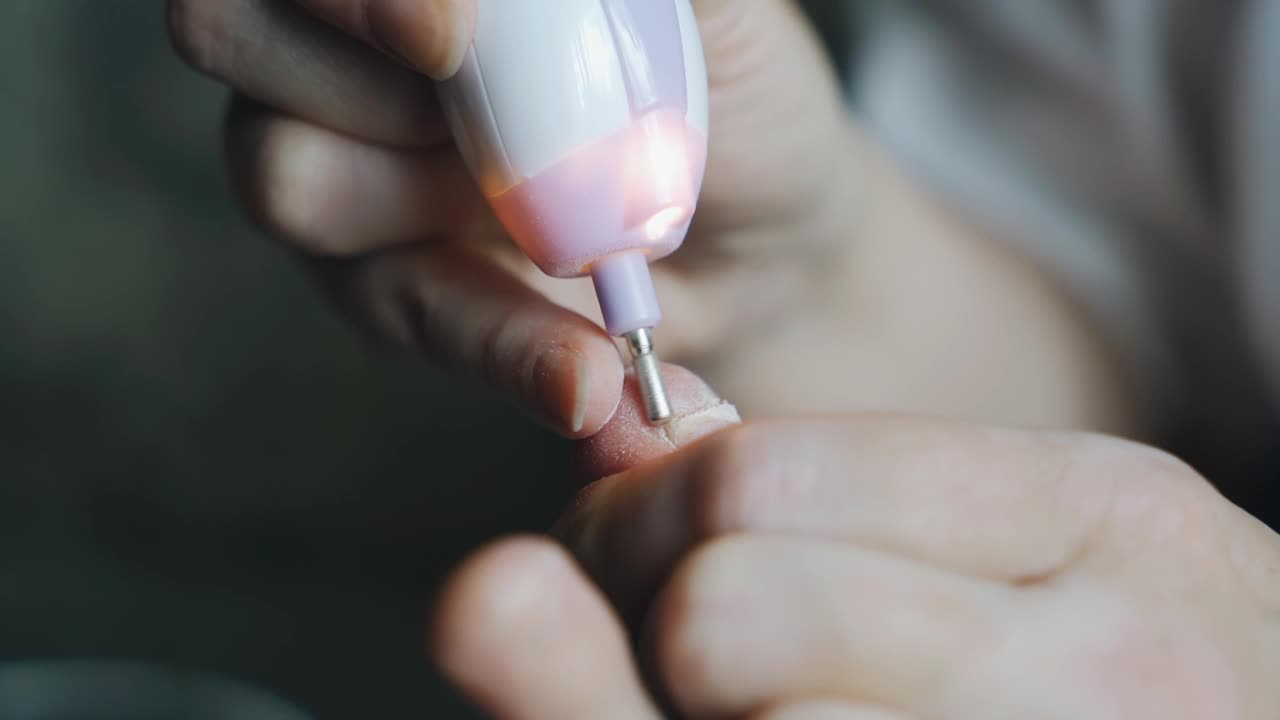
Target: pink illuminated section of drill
{"x":585,"y":124}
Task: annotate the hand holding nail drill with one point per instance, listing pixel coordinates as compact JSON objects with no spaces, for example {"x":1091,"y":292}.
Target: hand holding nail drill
{"x":340,"y":147}
{"x":590,"y":144}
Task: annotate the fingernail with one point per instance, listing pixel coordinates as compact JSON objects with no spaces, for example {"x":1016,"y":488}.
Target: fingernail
{"x":699,"y":410}
{"x":693,"y":426}
{"x":562,"y":387}
{"x":430,"y":36}
{"x":459,"y":40}
{"x":581,"y":393}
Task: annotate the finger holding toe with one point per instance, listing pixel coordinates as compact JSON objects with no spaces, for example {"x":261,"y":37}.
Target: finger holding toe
{"x":523,"y":633}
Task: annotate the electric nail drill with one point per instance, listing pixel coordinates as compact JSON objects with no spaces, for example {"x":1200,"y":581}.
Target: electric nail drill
{"x":584,"y":123}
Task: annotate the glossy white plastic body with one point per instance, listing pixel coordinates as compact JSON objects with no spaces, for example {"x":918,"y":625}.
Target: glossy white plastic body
{"x":585,"y":124}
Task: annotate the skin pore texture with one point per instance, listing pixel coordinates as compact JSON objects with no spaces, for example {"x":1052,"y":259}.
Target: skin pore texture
{"x":629,"y":440}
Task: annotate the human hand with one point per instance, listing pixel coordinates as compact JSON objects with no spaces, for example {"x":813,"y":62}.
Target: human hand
{"x":338,"y":147}
{"x":882,"y":567}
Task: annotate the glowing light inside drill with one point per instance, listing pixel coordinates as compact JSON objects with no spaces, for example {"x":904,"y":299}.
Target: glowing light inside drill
{"x":664,"y":221}
{"x":668,"y":163}
{"x":660,"y":179}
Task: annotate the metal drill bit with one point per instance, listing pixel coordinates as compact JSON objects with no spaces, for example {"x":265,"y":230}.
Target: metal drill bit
{"x":649,"y":376}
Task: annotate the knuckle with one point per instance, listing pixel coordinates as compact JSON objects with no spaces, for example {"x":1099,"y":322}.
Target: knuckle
{"x":705,"y":597}
{"x":1152,"y":462}
{"x":287,"y":184}
{"x":497,"y":364}
{"x":294,"y":185}
{"x":1155,"y":496}
{"x":198,"y":31}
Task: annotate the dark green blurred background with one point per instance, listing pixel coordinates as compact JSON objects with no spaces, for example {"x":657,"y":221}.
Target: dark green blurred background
{"x":200,"y":465}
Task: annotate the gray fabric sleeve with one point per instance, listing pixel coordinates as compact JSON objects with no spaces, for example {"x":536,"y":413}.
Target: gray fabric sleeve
{"x":1103,"y":140}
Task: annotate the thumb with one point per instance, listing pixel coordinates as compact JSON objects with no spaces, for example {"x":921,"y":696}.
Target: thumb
{"x":429,"y":35}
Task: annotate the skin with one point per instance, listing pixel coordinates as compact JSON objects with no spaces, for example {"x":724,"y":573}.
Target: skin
{"x":811,"y":254}
{"x":629,"y":440}
{"x":873,"y":566}
{"x":857,"y":566}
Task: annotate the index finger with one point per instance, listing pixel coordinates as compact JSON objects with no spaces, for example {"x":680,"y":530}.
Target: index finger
{"x":431,"y":36}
